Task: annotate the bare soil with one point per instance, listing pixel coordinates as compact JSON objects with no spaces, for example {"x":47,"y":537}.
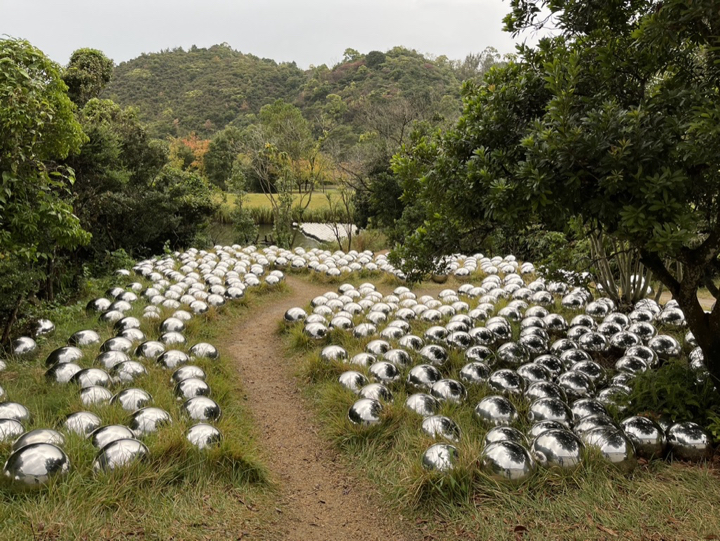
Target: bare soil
{"x":319,"y":498}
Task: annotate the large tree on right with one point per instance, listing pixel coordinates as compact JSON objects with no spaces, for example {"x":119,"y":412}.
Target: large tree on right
{"x":614,"y":121}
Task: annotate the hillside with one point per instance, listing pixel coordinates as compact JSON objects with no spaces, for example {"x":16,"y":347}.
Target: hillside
{"x":203,"y":90}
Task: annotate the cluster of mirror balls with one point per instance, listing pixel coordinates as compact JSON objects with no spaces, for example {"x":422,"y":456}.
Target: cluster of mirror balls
{"x":553,"y":365}
{"x":182,"y":284}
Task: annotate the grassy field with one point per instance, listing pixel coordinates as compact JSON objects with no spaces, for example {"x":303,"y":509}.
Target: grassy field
{"x":179,"y":492}
{"x":657,"y":500}
{"x":260,"y":200}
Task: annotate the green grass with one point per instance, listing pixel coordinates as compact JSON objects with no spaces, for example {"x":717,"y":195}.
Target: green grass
{"x":658,"y":500}
{"x":179,"y":492}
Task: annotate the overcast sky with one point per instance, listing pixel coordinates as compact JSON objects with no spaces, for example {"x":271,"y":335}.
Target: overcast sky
{"x":306,"y":31}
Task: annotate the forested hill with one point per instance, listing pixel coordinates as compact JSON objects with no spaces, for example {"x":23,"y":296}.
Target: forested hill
{"x":203,"y":90}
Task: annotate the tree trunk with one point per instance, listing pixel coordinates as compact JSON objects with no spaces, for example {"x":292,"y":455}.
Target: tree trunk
{"x":10,"y":322}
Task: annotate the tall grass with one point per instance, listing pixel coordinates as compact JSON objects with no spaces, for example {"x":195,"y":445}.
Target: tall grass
{"x":174,"y":493}
{"x":658,"y":500}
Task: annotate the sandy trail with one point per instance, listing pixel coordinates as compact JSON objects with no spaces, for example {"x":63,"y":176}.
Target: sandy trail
{"x":319,"y":499}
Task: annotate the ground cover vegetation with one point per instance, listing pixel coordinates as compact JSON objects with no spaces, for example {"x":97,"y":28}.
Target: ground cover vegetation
{"x":594,"y":500}
{"x":178,"y":488}
{"x":611,"y":126}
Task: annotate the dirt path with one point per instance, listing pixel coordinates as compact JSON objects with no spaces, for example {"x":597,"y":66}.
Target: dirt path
{"x":319,"y":498}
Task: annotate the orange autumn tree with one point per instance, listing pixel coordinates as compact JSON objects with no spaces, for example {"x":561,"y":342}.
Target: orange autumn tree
{"x":188,"y":153}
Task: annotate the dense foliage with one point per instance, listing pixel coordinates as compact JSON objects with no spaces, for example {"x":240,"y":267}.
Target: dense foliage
{"x":613,"y":122}
{"x":203,"y":90}
{"x":37,"y":128}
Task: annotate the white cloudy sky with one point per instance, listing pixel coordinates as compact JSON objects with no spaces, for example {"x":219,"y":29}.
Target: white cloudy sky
{"x":306,"y":31}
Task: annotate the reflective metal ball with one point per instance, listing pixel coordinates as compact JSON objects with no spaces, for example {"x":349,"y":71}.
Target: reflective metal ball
{"x":119,"y":453}
{"x":34,"y":465}
{"x":559,"y":448}
{"x":440,"y":457}
{"x":203,"y":436}
{"x":365,"y":411}
{"x":507,"y":461}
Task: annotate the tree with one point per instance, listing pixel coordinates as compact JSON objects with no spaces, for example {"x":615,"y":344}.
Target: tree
{"x":221,"y":155}
{"x":87,"y":74}
{"x":614,"y":122}
{"x":37,"y":128}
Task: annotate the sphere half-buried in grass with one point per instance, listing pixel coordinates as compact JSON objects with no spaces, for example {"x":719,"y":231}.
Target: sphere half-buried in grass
{"x":507,"y":461}
{"x":36,"y":464}
{"x":204,"y":436}
{"x":560,"y":448}
{"x":365,"y":412}
{"x":119,"y":453}
{"x":440,"y":457}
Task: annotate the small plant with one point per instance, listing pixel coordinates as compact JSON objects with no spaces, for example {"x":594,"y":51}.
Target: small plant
{"x":674,"y":390}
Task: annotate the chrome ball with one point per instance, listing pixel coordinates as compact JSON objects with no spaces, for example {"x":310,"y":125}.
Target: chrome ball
{"x":438,"y":426}
{"x":204,"y":436}
{"x":440,"y":457}
{"x":148,"y":420}
{"x":689,"y":441}
{"x":67,"y":354}
{"x":119,"y":453}
{"x":496,"y":410}
{"x":24,"y":347}
{"x":550,"y":409}
{"x":203,"y":350}
{"x":39,"y":435}
{"x":13,"y":410}
{"x":507,"y":461}
{"x":377,"y":391}
{"x":647,"y":437}
{"x":423,"y":376}
{"x":132,"y":399}
{"x":449,"y":390}
{"x":104,"y":435}
{"x":202,"y":408}
{"x":187,"y":371}
{"x":613,"y":445}
{"x":365,"y":411}
{"x":82,"y":423}
{"x":36,"y":464}
{"x":422,"y":404}
{"x":62,"y":372}
{"x":505,"y":433}
{"x":84,"y":338}
{"x":352,"y":380}
{"x":559,"y":448}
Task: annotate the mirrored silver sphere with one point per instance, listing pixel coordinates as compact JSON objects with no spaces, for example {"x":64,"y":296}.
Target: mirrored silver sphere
{"x":132,"y":399}
{"x":39,"y":435}
{"x":496,"y":410}
{"x":67,"y":354}
{"x":119,"y":453}
{"x":439,"y":426}
{"x":646,"y":435}
{"x":104,"y":435}
{"x":688,"y":441}
{"x":24,"y":347}
{"x":202,"y":408}
{"x":14,"y":410}
{"x":440,"y":457}
{"x":352,"y":380}
{"x":507,"y":460}
{"x":82,"y":423}
{"x":365,"y":411}
{"x":203,"y":350}
{"x":95,"y":395}
{"x":559,"y":448}
{"x":148,"y":419}
{"x":204,"y":436}
{"x":422,"y":404}
{"x":35,"y":464}
{"x":505,"y":433}
{"x":10,"y":429}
